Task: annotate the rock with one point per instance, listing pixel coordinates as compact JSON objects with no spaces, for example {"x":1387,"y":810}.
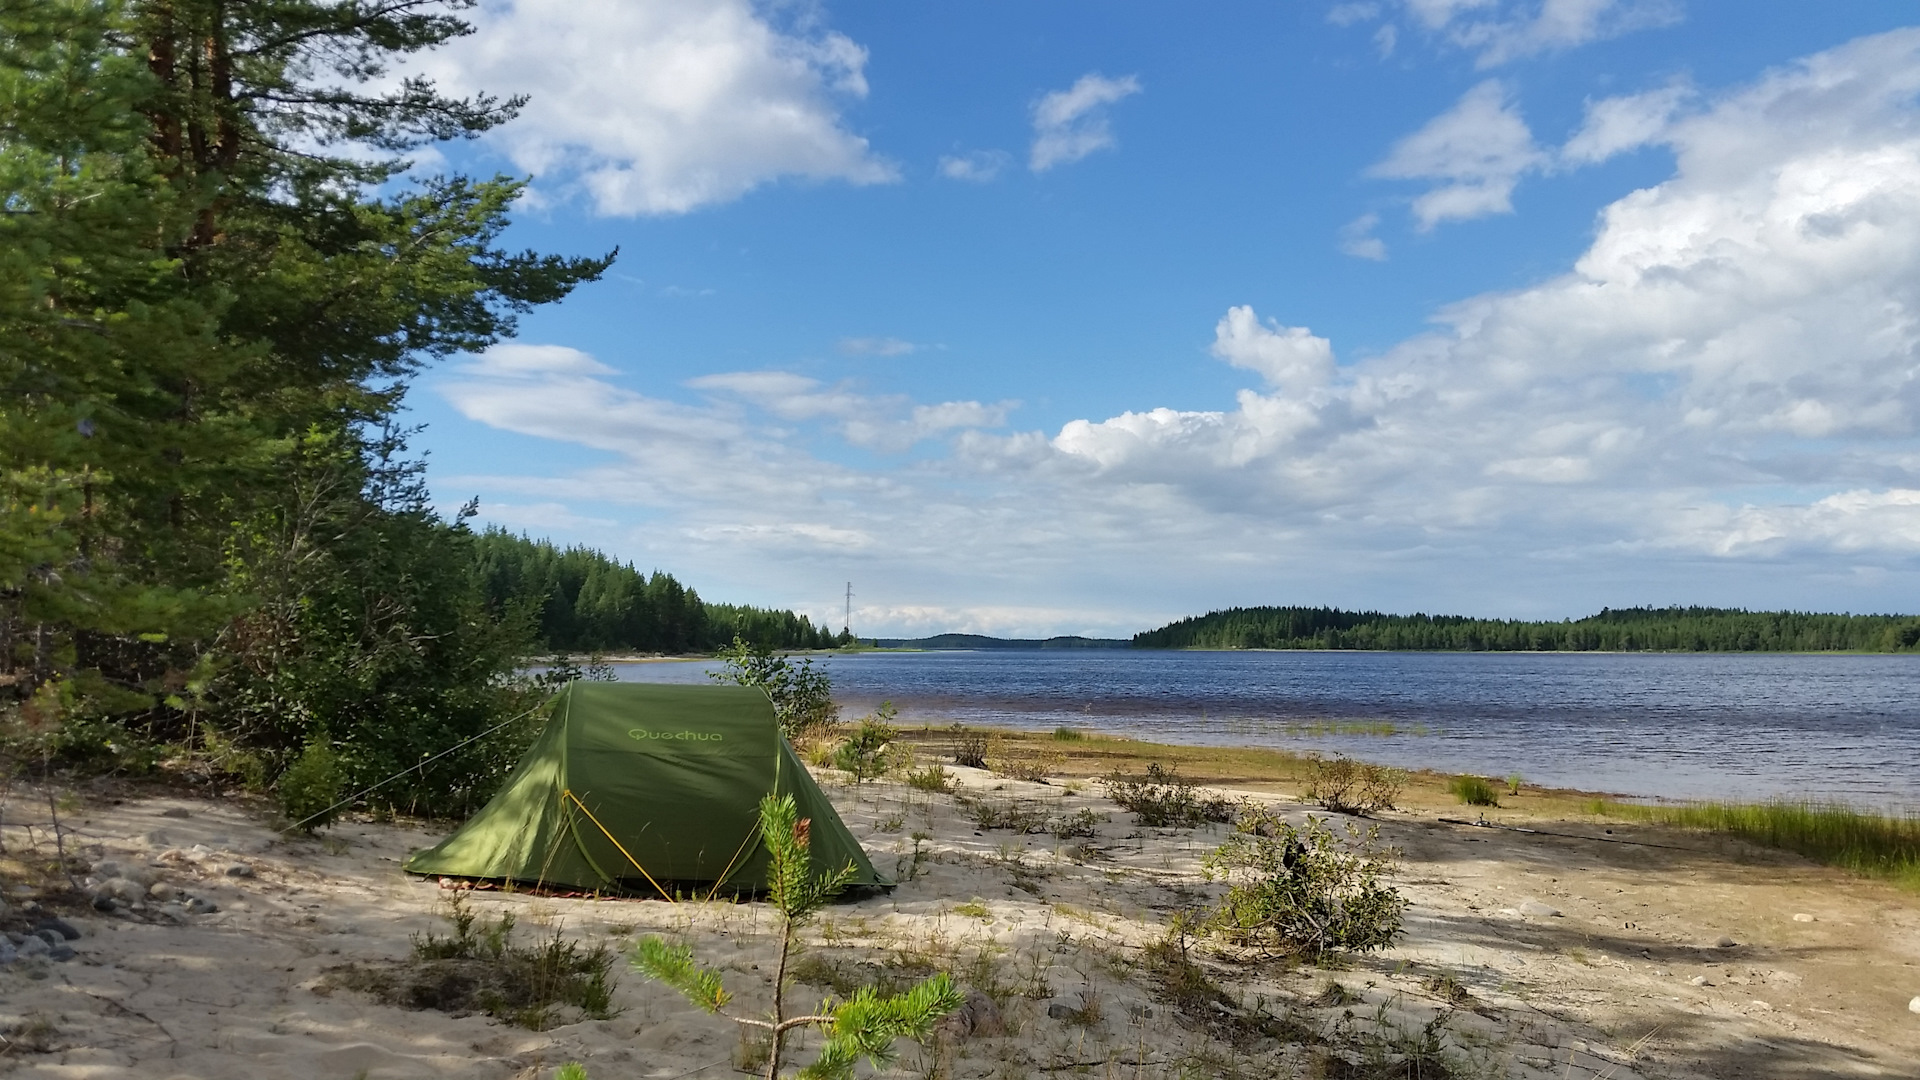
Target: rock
{"x":59,"y":926}
{"x":175,"y":812}
{"x":62,"y":953}
{"x":161,"y":891}
{"x":239,"y":869}
{"x":1059,"y":1010}
{"x":157,"y":839}
{"x":1539,"y":910}
{"x":199,"y":906}
{"x":976,"y":1016}
{"x":106,"y":868}
{"x":119,"y":888}
{"x":1699,"y":980}
{"x":105,"y":902}
{"x":1802,"y":917}
{"x":1914,"y":1005}
{"x":8,"y":954}
{"x":14,"y":937}
{"x":1726,"y":943}
{"x":33,"y":947}
{"x":53,"y":938}
{"x":174,"y":912}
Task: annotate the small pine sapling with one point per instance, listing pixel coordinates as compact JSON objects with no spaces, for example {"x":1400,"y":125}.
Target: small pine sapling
{"x":864,"y":1025}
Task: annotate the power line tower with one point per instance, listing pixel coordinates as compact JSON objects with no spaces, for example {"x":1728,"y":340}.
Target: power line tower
{"x":846,"y":624}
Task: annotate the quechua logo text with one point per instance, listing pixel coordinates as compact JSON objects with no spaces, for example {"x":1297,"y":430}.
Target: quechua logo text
{"x":643,"y":735}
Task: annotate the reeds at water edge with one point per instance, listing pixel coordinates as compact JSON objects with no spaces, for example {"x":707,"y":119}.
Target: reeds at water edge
{"x":1878,"y":845}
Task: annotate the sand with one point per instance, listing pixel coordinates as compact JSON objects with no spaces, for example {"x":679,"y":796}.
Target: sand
{"x":1627,"y":980}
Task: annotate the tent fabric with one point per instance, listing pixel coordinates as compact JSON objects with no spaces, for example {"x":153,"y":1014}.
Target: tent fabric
{"x":647,"y":789}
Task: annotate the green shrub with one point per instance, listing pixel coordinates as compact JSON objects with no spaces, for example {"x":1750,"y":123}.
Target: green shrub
{"x":1067,"y":734}
{"x":1514,"y":780}
{"x":1084,"y":824}
{"x":1300,"y":892}
{"x":310,"y":787}
{"x":1346,"y":786}
{"x":864,"y":752}
{"x":1161,"y":799}
{"x":1025,"y":818}
{"x":1473,"y":790}
{"x":934,"y":778}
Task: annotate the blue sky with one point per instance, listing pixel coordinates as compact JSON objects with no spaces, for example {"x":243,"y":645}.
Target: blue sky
{"x":1076,"y":317}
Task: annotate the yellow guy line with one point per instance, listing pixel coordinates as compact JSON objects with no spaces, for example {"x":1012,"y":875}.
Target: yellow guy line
{"x":664,"y":895}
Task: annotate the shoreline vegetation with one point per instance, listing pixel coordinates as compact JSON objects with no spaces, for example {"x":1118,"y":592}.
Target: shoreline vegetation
{"x":1641,"y":629}
{"x":1884,"y":846}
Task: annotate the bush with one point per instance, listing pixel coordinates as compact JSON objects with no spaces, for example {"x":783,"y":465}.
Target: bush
{"x":802,"y":694}
{"x":1346,"y":786}
{"x":1030,"y":764}
{"x":1025,"y":818}
{"x":1474,"y":791}
{"x":1299,"y":892}
{"x":970,"y":747}
{"x":310,"y":787}
{"x":480,"y":969}
{"x":864,"y":752}
{"x":1067,"y":734}
{"x":934,"y":778}
{"x":1161,"y":799}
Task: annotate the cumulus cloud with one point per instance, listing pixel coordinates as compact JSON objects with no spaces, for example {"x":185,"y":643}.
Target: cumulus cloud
{"x":978,"y":167}
{"x":1725,"y":387}
{"x":665,"y":106}
{"x":1477,"y":151}
{"x":1288,"y":357}
{"x":1072,"y":123}
{"x":1498,"y":32}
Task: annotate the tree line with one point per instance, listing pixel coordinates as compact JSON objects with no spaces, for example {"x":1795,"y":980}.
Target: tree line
{"x":584,"y":601}
{"x":1640,"y":629}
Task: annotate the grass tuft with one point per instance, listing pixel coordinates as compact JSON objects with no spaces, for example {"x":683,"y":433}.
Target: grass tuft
{"x":1474,"y":791}
{"x":1067,"y":734}
{"x":1878,"y":845}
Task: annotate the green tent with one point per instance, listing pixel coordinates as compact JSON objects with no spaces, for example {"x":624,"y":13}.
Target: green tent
{"x":647,"y":789}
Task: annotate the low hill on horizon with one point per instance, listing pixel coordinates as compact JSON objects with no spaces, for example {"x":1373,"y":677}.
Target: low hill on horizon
{"x":1639,"y":629}
{"x":979,"y":641}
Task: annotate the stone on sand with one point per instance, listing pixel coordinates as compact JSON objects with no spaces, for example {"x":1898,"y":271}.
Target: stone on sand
{"x":1538,"y":910}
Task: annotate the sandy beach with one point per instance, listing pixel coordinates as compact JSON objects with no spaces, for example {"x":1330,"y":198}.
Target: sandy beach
{"x":1525,"y":955}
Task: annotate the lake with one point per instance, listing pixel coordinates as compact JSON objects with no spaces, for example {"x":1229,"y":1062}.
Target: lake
{"x":1715,"y":725}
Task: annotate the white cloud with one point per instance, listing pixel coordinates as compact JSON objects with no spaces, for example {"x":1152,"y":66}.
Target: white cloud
{"x":1288,"y":357}
{"x":665,"y":106}
{"x":979,"y":166}
{"x":1072,"y":123}
{"x":513,"y":359}
{"x":1357,"y":239}
{"x":877,"y":346}
{"x":1499,"y":31}
{"x":1719,"y":401}
{"x":1478,"y":150}
{"x":883,"y":423}
{"x":1348,"y":14}
{"x":1617,"y":125}
{"x":1384,"y":40}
